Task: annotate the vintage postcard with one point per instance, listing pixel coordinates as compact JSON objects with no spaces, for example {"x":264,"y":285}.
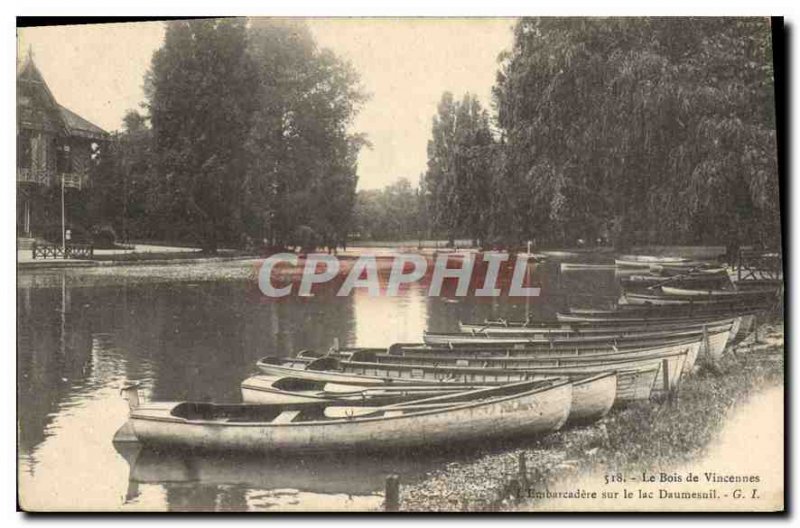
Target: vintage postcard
{"x":400,"y":264}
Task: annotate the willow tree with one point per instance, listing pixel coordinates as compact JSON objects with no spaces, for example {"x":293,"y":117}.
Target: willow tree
{"x":642,"y":129}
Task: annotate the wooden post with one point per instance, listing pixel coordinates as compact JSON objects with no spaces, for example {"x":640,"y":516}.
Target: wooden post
{"x":63,"y":222}
{"x":756,"y":318}
{"x":665,"y":368}
{"x":523,"y":467}
{"x":130,"y":392}
{"x":392,"y":495}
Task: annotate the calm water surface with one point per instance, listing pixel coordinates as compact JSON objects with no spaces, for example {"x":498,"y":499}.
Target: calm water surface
{"x":195,"y":332}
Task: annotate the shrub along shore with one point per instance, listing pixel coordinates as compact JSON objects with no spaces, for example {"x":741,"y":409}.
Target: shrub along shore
{"x":658,"y":436}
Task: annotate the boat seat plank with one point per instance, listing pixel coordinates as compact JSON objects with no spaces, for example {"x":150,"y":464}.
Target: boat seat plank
{"x":285,"y":417}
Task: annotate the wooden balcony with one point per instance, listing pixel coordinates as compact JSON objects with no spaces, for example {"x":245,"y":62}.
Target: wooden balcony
{"x":73,"y":179}
{"x":50,"y":177}
{"x":37,"y":176}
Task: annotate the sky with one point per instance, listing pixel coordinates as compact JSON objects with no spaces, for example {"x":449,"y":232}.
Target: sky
{"x":405,"y":65}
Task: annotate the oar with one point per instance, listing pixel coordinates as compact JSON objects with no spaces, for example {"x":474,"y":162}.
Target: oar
{"x":668,"y":280}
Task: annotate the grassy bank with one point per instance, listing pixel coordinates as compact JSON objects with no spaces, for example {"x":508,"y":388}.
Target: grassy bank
{"x":658,"y":436}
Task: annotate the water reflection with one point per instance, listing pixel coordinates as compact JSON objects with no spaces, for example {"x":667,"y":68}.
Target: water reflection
{"x":195,"y":480}
{"x":83,"y":333}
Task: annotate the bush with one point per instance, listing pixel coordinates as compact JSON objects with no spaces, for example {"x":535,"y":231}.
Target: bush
{"x":78,"y":235}
{"x":104,"y":237}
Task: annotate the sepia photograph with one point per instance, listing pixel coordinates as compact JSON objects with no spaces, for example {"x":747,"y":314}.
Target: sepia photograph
{"x":400,"y":264}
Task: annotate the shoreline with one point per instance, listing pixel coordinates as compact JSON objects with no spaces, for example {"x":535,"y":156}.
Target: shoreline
{"x":383,"y":250}
{"x":652,"y":436}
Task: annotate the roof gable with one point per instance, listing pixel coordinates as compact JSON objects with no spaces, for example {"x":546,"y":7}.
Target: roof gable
{"x":79,"y":126}
{"x":72,"y":123}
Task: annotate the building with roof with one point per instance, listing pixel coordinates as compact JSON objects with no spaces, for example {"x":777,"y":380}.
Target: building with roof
{"x":55,"y":148}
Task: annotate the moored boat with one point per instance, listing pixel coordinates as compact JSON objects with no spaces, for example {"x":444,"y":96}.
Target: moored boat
{"x":592,"y":327}
{"x":525,"y":408}
{"x":515,"y":358}
{"x":688,"y":301}
{"x":728,"y":294}
{"x":688,"y":279}
{"x":290,"y":390}
{"x":646,"y":261}
{"x":592,"y":396}
{"x":586,"y":266}
{"x":546,"y":343}
{"x":643,"y":374}
{"x":644,"y":313}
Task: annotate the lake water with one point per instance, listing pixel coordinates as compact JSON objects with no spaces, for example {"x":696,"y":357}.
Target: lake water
{"x":194,"y":332}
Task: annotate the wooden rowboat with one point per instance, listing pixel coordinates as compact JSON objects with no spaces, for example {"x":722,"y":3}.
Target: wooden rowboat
{"x":481,"y":353}
{"x":731,"y":294}
{"x":592,"y":396}
{"x":681,"y":268}
{"x":580,"y":266}
{"x":687,"y":301}
{"x":645,"y":261}
{"x":653,"y":281}
{"x":290,"y":390}
{"x":720,"y":333}
{"x":644,"y":313}
{"x":519,"y":409}
{"x":587,"y":329}
{"x":507,"y":358}
{"x":637,"y":378}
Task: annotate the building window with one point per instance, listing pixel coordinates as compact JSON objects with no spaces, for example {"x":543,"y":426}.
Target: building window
{"x":24,"y":149}
{"x":64,"y":161}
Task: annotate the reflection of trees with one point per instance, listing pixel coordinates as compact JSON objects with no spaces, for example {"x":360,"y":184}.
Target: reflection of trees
{"x":193,"y":341}
{"x":54,"y":348}
{"x":201,"y":341}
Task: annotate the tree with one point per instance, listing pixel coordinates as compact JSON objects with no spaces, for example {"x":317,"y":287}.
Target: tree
{"x":201,"y":97}
{"x":651,"y":129}
{"x":457,"y":183}
{"x":302,"y":156}
{"x":389,"y":214}
{"x":122,"y":179}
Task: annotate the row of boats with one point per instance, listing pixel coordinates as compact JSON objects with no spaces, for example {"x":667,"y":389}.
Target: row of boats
{"x":489,"y":380}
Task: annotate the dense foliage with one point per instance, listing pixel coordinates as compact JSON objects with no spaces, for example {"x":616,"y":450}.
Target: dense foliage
{"x":456,"y":184}
{"x":248,"y":145}
{"x":302,"y":160}
{"x":624,"y":130}
{"x":124,"y":188}
{"x":388,"y":214}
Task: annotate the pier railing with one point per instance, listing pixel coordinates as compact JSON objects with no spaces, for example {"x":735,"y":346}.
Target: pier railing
{"x":57,"y":251}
